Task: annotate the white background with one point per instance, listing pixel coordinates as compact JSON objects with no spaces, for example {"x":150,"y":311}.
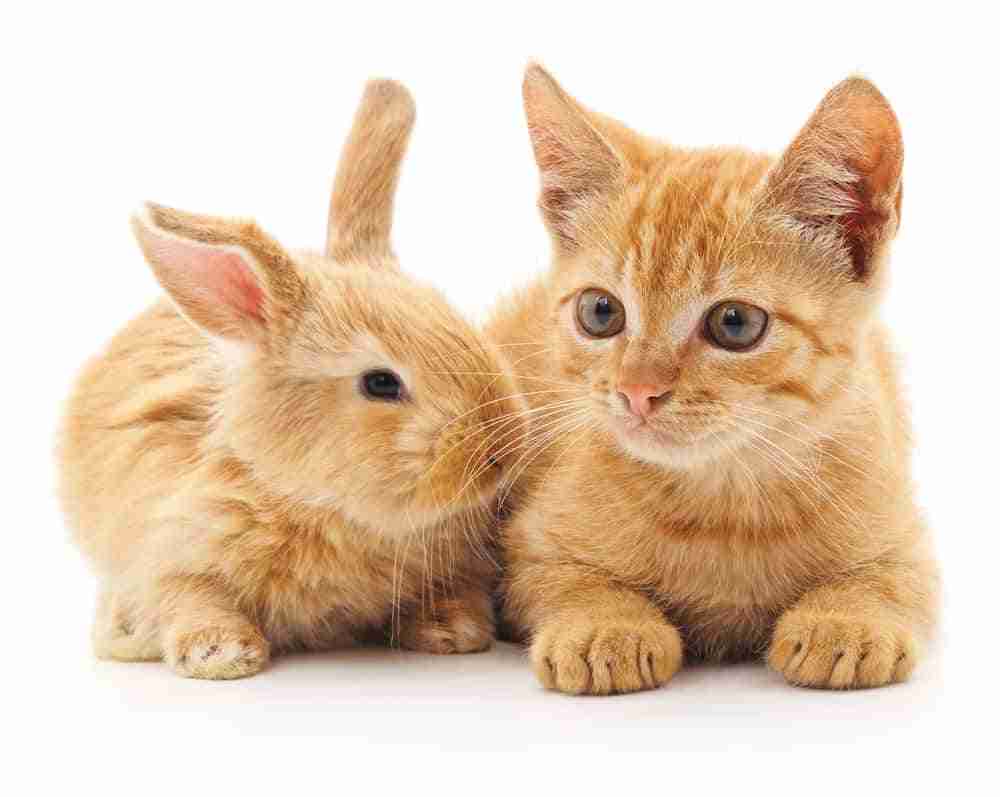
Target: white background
{"x":241,"y":111}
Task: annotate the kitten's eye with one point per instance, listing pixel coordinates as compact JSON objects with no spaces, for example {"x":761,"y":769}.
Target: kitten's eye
{"x":382,"y":385}
{"x":599,"y":314}
{"x":735,"y":326}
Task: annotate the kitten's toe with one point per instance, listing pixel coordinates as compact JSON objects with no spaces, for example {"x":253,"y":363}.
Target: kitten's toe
{"x":841,"y":652}
{"x":613,"y":657}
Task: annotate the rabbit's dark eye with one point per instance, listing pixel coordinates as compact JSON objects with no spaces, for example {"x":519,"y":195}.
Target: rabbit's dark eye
{"x":381,"y":386}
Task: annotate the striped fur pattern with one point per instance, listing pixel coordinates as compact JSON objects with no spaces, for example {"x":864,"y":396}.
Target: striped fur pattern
{"x":765,"y":507}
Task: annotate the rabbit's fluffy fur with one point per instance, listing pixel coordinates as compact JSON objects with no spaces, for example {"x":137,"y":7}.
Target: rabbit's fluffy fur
{"x":234,"y":489}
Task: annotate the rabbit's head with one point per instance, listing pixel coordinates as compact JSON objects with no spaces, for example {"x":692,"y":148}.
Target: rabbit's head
{"x":342,"y":382}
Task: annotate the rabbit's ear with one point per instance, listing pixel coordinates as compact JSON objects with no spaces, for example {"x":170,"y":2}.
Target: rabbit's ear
{"x":365,"y":186}
{"x":226,"y":276}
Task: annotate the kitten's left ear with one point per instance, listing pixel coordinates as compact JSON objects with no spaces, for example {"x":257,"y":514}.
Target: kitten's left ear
{"x":841,"y":178}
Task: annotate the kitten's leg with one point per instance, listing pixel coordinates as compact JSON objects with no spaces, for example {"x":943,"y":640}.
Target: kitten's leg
{"x":460,"y":622}
{"x":204,"y":635}
{"x":862,"y":631}
{"x":590,"y":635}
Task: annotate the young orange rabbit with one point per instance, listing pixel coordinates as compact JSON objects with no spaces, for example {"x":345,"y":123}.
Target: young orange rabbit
{"x":291,"y":453}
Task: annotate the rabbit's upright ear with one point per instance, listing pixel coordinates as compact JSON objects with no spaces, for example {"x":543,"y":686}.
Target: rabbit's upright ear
{"x":363,"y":192}
{"x":226,"y":276}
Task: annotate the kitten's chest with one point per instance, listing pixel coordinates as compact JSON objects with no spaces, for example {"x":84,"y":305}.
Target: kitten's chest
{"x":714,"y":569}
{"x":726,"y":596}
{"x":700,"y":553}
{"x":724,"y":587}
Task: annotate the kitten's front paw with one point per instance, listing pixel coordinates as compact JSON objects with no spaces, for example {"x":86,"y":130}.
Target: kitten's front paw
{"x":833,"y":651}
{"x":453,"y":627}
{"x":218,"y":653}
{"x":583,"y":656}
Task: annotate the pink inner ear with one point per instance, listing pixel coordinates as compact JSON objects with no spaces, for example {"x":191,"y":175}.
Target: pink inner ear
{"x":220,"y":275}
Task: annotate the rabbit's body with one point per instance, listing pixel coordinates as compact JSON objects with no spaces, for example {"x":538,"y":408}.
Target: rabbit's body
{"x":236,"y":488}
{"x":152,"y":500}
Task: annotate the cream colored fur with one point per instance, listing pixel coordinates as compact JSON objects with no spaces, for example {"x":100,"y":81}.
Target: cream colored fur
{"x":236,"y":493}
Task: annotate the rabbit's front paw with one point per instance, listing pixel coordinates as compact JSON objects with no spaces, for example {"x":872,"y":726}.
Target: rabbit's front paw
{"x":840,"y":651}
{"x":453,"y":627}
{"x":218,"y":653}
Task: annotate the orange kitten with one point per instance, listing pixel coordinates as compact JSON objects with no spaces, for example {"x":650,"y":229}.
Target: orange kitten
{"x":288,"y":454}
{"x":721,"y":461}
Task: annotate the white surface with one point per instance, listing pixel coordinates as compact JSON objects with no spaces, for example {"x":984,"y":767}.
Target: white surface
{"x":490,"y":701}
{"x":235,"y":110}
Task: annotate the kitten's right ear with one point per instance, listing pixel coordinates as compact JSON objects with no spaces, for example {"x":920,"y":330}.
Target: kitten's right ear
{"x":364,"y":189}
{"x":576,"y":161}
{"x":226,"y":276}
{"x":841,"y":178}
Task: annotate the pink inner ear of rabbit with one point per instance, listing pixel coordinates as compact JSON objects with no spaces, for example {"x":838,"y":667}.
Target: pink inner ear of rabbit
{"x":222,"y":274}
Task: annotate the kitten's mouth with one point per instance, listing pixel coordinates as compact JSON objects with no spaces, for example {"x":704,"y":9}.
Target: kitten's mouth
{"x":659,"y":443}
{"x":634,"y":429}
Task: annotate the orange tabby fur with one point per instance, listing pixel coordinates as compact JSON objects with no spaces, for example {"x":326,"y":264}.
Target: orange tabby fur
{"x":236,"y":493}
{"x":766,"y":507}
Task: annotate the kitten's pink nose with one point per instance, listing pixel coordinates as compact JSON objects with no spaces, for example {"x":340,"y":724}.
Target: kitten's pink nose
{"x":643,"y":398}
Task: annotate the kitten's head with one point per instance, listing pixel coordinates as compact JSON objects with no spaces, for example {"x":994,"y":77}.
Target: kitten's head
{"x":701,"y":297}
